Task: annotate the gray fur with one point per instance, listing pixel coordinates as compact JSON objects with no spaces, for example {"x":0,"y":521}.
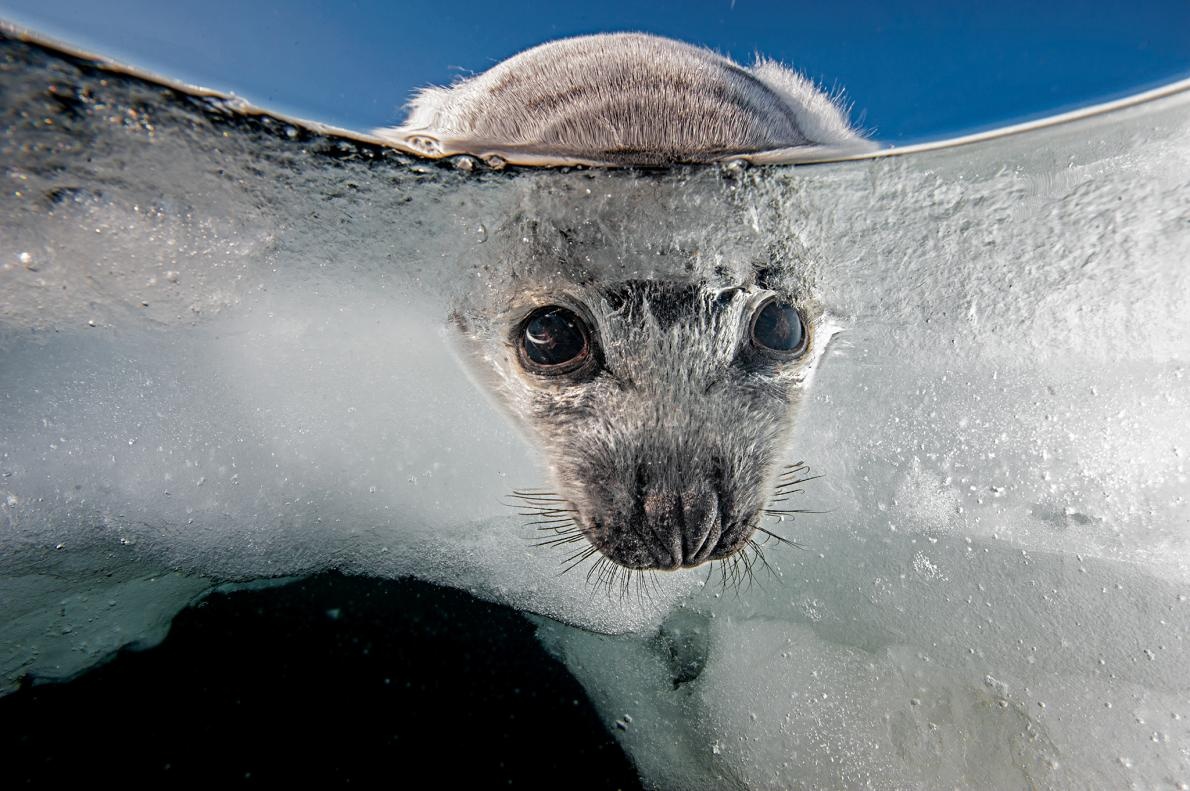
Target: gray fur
{"x":669,"y":455}
{"x":627,"y":98}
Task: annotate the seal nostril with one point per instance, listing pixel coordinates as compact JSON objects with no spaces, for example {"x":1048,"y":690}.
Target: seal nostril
{"x":679,"y":528}
{"x":663,"y":518}
{"x":700,"y":524}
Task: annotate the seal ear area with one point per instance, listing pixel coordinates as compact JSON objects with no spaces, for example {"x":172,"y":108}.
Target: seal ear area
{"x":460,"y":322}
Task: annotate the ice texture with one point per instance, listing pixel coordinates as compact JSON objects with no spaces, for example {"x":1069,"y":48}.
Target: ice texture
{"x":998,"y":595}
{"x":226,"y":355}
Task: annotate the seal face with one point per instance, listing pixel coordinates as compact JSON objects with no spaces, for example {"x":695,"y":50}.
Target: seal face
{"x":662,"y":406}
{"x":627,"y":99}
{"x":662,"y":402}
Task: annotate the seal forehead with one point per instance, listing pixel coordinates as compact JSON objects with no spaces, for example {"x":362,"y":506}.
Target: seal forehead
{"x":625,"y":99}
{"x":629,"y":94}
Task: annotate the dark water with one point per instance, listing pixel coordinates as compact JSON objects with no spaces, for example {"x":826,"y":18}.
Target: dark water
{"x":332,"y":679}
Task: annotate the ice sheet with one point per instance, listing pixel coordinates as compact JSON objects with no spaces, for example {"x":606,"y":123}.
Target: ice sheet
{"x":997,"y":595}
{"x":226,"y":355}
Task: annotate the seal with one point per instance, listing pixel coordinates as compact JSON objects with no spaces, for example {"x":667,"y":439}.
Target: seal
{"x":628,"y":99}
{"x":663,"y":401}
{"x":654,"y":337}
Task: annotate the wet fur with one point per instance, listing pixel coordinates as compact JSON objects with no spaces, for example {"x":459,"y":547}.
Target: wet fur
{"x":682,"y":404}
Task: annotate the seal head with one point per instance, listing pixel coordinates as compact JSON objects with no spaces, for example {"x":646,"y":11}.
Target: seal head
{"x":627,"y":99}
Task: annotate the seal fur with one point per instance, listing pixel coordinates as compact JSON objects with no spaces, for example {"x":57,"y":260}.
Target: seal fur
{"x":627,"y":99}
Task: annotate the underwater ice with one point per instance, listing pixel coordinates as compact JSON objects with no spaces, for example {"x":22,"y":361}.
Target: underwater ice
{"x":226,"y":357}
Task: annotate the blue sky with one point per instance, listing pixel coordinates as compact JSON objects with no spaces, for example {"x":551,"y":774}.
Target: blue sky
{"x":912,"y":70}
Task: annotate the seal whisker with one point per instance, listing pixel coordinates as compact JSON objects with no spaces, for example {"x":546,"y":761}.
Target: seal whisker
{"x":581,"y":552}
{"x":554,"y":516}
{"x":558,"y":529}
{"x":788,"y":488}
{"x":780,"y":539}
{"x":746,"y":562}
{"x":610,"y":578}
{"x":796,"y":510}
{"x":561,"y":541}
{"x":540,"y":506}
{"x":549,"y":522}
{"x":792,"y":486}
{"x":656,"y":583}
{"x":760,"y":556}
{"x":733,"y":572}
{"x":646,"y":586}
{"x":606,"y":576}
{"x":596,"y":567}
{"x":796,"y":481}
{"x":581,"y":556}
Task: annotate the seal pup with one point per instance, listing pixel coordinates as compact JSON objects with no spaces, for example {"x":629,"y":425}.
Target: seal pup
{"x":627,"y":99}
{"x":662,"y":395}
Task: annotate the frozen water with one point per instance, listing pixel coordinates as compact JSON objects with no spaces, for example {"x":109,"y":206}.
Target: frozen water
{"x":226,"y":355}
{"x":998,"y":595}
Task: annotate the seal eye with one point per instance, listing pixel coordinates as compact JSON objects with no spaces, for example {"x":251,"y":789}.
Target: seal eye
{"x":554,"y":341}
{"x":778,"y":327}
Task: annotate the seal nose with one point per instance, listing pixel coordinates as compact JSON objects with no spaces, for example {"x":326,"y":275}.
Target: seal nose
{"x":687,"y":525}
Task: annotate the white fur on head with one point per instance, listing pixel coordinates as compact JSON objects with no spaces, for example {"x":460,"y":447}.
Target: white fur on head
{"x":627,"y":98}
